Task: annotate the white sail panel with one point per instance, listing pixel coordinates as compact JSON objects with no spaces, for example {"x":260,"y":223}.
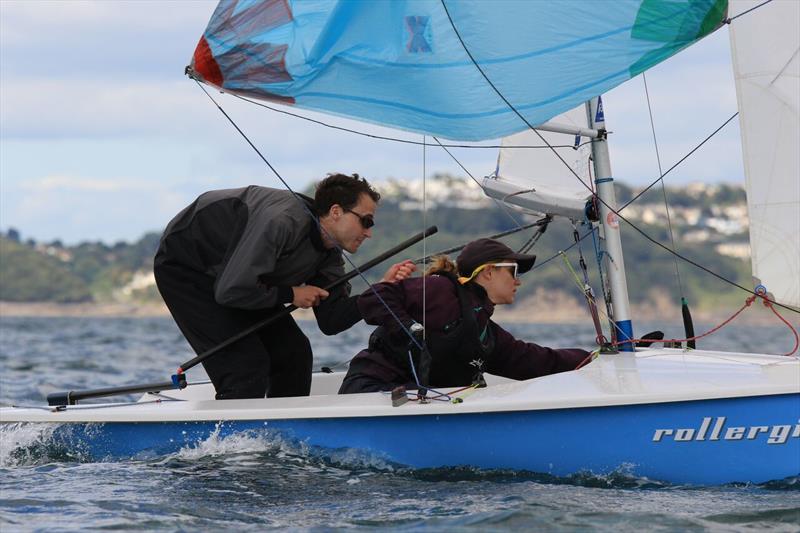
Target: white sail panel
{"x":765,"y":45}
{"x":535,"y":179}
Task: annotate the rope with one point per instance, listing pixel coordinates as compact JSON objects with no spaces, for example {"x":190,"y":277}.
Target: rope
{"x":554,"y":256}
{"x":424,"y":241}
{"x":447,"y":251}
{"x":392,"y":139}
{"x":684,"y":158}
{"x":729,"y":20}
{"x":314,"y":218}
{"x":499,"y":204}
{"x":588,"y":293}
{"x":421,"y":389}
{"x":598,"y":256}
{"x":531,"y":242}
{"x":592,"y":355}
{"x":555,"y":152}
{"x":768,"y":304}
{"x":673,"y":167}
{"x":599,"y":339}
{"x":663,"y":187}
{"x":748,"y":302}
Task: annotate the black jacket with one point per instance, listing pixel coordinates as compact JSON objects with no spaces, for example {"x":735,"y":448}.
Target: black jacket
{"x":252,"y":245}
{"x":507,"y":357}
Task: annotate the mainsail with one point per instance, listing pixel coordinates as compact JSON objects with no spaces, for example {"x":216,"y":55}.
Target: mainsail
{"x":402,"y":64}
{"x":765,"y":47}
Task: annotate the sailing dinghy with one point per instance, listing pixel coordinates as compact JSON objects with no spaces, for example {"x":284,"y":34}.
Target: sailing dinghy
{"x":674,"y":414}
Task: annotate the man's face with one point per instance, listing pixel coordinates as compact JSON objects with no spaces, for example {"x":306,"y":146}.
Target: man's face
{"x":346,"y":225}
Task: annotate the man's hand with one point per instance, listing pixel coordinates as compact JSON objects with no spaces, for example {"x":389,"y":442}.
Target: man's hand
{"x":399,"y":271}
{"x":308,"y":296}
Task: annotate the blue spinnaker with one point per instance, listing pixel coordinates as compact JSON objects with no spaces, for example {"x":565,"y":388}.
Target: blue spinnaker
{"x":400,"y":63}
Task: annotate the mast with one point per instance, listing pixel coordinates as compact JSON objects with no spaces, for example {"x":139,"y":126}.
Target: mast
{"x":613,"y":259}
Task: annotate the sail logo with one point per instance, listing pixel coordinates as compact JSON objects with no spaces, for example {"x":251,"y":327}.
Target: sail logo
{"x":419,"y":37}
{"x":775,"y":434}
{"x":599,"y":116}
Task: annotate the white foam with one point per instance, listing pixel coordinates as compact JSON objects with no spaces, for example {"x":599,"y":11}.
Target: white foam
{"x":251,"y":441}
{"x":284,"y":448}
{"x":18,"y":440}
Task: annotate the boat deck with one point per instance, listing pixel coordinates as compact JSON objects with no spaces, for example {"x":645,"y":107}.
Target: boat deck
{"x":644,"y":377}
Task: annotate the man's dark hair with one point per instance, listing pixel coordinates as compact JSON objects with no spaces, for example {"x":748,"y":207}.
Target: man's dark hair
{"x":343,"y":190}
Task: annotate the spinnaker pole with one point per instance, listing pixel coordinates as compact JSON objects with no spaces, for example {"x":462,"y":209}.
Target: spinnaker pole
{"x":613,"y":259}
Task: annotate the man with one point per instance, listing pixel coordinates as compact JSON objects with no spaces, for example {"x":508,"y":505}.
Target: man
{"x":235,"y":256}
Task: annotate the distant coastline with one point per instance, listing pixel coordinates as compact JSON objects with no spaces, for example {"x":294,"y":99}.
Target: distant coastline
{"x":87,"y":309}
{"x":529,"y":311}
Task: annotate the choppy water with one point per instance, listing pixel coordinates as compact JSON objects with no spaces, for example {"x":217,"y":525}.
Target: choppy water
{"x":257,"y":481}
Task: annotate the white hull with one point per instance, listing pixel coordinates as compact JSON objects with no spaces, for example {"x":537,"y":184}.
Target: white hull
{"x":681,"y":416}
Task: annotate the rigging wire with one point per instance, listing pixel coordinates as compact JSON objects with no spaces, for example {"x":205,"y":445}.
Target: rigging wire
{"x":314,"y":218}
{"x":594,"y":230}
{"x":424,"y":240}
{"x":652,"y":184}
{"x":447,"y":251}
{"x":681,"y":160}
{"x":729,"y":20}
{"x":407,"y":141}
{"x":499,"y":204}
{"x":384,"y":137}
{"x":616,"y":212}
{"x":748,"y":302}
{"x":445,"y":146}
{"x":531,"y":242}
{"x":663,"y":187}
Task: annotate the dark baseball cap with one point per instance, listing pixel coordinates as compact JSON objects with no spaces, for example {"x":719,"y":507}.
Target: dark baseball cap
{"x":484,"y":251}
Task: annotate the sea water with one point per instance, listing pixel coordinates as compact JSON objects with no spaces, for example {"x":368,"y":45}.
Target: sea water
{"x":255,"y":482}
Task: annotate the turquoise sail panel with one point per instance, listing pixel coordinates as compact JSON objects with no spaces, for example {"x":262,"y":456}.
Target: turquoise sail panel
{"x":401,"y":63}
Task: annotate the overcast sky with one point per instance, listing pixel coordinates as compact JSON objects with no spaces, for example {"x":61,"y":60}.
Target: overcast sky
{"x":103,"y":137}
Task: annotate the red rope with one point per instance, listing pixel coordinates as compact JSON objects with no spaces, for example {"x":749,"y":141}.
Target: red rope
{"x":767,"y":303}
{"x":582,"y":363}
{"x":747,"y":304}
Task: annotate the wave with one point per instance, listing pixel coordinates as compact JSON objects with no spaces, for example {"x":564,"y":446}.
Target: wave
{"x":34,"y":444}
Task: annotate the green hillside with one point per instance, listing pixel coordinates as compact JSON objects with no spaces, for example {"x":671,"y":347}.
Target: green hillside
{"x":30,"y":276}
{"x":99,"y":272}
{"x":648,"y":267}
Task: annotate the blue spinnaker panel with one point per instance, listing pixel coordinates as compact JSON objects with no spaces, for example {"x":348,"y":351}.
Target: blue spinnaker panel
{"x":400,"y":63}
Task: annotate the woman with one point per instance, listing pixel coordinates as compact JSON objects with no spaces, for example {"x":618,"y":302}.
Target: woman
{"x":460,"y":339}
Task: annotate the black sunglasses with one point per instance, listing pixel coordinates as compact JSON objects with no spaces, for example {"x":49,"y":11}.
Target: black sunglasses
{"x":366,"y":220}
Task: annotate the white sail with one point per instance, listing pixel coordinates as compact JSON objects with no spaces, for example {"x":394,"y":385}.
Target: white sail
{"x":535,"y":179}
{"x":765,"y":45}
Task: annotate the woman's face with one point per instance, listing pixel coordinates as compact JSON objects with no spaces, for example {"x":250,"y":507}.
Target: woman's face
{"x":499,"y":283}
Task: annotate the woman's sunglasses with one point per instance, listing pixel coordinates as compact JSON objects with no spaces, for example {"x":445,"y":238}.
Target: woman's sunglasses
{"x":515,"y":266}
{"x":366,"y":220}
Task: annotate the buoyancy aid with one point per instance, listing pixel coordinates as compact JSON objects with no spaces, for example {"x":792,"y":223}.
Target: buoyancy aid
{"x":457,"y":353}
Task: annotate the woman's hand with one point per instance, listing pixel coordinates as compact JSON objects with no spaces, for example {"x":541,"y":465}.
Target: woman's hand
{"x":399,"y":271}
